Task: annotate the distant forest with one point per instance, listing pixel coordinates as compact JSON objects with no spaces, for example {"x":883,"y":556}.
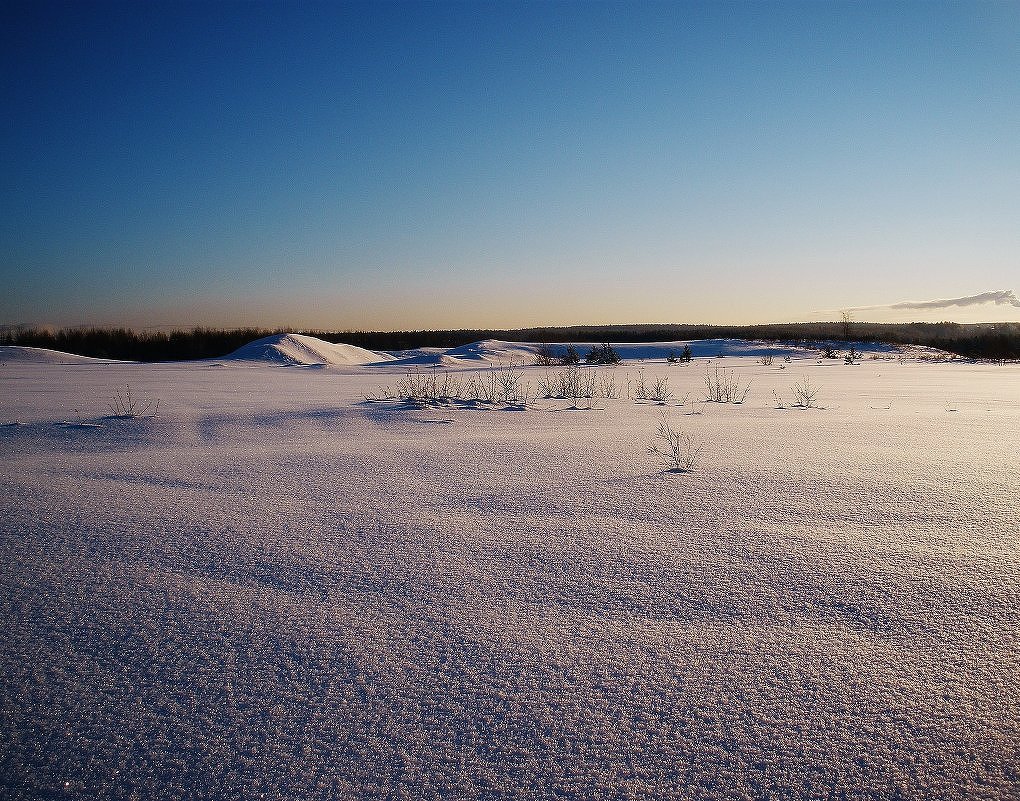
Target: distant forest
{"x":981,"y":341}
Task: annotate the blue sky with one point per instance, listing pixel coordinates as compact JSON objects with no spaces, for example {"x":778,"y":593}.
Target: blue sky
{"x":406,"y":165}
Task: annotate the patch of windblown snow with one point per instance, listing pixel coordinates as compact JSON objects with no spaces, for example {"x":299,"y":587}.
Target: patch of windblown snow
{"x":299,"y":349}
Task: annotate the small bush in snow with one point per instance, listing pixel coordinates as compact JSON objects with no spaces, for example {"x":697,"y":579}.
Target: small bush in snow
{"x":560,"y":383}
{"x":661,"y":393}
{"x":124,"y":405}
{"x":805,"y":395}
{"x":723,"y":386}
{"x":512,"y":392}
{"x":679,"y":449}
{"x":575,"y":383}
{"x":500,"y":386}
{"x":421,"y":388}
{"x":426,"y":389}
{"x":607,"y":385}
{"x":640,"y":387}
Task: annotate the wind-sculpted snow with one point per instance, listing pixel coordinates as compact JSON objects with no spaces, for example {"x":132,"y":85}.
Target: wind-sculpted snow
{"x":301,"y":350}
{"x":18,"y":354}
{"x":275,"y":589}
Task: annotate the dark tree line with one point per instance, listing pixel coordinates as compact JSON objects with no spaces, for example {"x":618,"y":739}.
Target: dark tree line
{"x":988,"y":341}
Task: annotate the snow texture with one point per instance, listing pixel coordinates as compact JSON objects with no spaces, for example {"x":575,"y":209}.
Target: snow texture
{"x":274,"y":589}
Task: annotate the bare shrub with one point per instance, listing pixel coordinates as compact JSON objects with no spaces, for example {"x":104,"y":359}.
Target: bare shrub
{"x":560,"y":384}
{"x":509,"y":378}
{"x":661,"y":393}
{"x":426,"y":389}
{"x":484,"y":390}
{"x":607,"y":386}
{"x":805,"y":394}
{"x":723,"y":386}
{"x":124,"y":405}
{"x":570,"y":356}
{"x":679,"y":449}
{"x":640,"y":387}
{"x":418,"y":388}
{"x":766,"y":360}
{"x":575,"y":383}
{"x":501,"y":385}
{"x":657,"y":391}
{"x":585,"y":388}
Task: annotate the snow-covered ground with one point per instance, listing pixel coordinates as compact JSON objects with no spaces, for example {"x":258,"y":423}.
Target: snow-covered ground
{"x":275,"y":589}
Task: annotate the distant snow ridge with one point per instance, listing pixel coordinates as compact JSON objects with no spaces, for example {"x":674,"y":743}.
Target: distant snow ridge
{"x":495,"y":351}
{"x":476,"y":354}
{"x":298,"y":350}
{"x":25,"y":355}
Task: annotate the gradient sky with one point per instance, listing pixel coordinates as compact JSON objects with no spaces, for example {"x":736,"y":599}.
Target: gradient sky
{"x":407,"y":165}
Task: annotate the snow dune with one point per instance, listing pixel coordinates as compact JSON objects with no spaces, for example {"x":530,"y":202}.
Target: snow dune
{"x":477,"y":354}
{"x":19,"y":354}
{"x":301,"y":350}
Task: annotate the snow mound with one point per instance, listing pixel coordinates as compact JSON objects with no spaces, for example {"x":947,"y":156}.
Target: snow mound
{"x":427,"y":357}
{"x":477,"y":354}
{"x":495,"y":351}
{"x":298,"y":350}
{"x":21,"y":354}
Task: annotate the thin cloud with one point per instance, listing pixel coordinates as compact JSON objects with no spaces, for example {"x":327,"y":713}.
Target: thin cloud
{"x":1002,"y":297}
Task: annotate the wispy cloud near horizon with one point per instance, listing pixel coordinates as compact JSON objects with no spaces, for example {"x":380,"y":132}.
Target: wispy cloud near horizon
{"x":1002,"y":297}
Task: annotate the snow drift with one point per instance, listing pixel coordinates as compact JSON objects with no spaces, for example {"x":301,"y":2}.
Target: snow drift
{"x":301,"y":350}
{"x":477,"y":354}
{"x":25,"y":355}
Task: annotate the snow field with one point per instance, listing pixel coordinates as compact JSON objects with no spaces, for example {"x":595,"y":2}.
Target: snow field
{"x":274,"y":588}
